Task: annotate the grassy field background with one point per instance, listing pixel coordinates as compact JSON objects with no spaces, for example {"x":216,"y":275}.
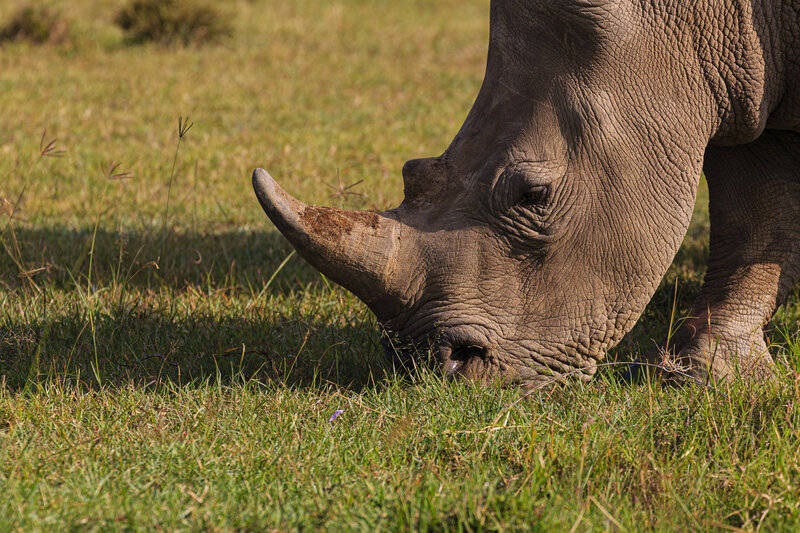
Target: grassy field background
{"x":167,"y":362}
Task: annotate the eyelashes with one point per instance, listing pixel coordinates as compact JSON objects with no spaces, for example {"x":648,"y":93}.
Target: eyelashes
{"x":533,"y":195}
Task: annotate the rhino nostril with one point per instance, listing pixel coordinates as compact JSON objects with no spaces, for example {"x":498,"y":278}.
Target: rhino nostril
{"x":452,"y":366}
{"x":461,"y":356}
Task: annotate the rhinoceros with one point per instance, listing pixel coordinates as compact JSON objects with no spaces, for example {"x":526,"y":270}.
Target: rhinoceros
{"x":533,"y":244}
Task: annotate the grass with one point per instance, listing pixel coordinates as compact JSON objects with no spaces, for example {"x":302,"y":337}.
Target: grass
{"x":166,"y":362}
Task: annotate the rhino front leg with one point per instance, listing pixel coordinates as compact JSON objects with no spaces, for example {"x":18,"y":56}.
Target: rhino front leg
{"x":754,"y":204}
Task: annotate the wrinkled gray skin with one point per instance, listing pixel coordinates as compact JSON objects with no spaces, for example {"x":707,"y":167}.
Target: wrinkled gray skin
{"x":532,"y":245}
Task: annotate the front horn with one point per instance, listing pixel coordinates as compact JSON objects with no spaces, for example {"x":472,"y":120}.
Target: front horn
{"x":356,"y":249}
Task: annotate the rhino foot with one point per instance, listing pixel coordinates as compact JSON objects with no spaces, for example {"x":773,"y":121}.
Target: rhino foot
{"x":708,"y":358}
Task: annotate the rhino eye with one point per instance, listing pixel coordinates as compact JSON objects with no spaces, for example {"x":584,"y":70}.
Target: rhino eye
{"x":526,"y":186}
{"x":534,"y":195}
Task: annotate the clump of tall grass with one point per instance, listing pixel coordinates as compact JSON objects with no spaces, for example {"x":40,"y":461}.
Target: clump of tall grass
{"x":35,"y":24}
{"x":186,"y":22}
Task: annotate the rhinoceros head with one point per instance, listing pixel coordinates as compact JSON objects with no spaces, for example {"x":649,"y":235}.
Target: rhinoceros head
{"x":532,"y":245}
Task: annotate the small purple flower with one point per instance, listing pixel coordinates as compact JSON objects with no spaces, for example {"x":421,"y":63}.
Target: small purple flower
{"x":335,"y":414}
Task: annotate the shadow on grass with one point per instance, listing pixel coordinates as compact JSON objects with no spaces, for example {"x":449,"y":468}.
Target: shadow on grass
{"x":134,"y":344}
{"x":191,"y":306}
{"x":213,"y":260}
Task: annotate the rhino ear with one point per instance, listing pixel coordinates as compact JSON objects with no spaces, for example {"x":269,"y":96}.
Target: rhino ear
{"x":423,"y":177}
{"x":354,"y":248}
